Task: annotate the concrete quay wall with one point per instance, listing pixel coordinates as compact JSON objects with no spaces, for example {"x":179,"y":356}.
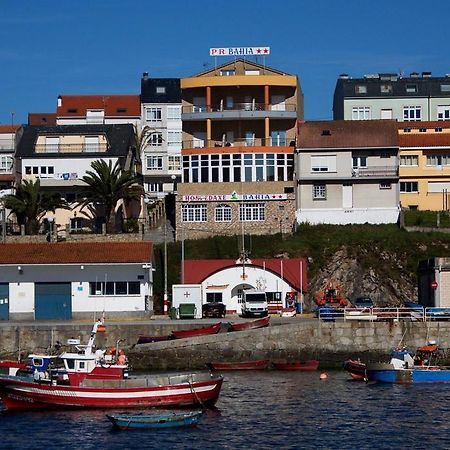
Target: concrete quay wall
{"x":331,"y":343}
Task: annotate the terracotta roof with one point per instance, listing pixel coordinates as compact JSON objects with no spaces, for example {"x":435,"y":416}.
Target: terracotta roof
{"x":114,"y":105}
{"x":77,"y":253}
{"x":9,"y":128}
{"x":424,"y":140}
{"x":347,"y":134}
{"x":41,"y":118}
{"x":196,"y":271}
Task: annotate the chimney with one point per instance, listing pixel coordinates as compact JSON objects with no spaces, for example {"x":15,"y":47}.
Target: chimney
{"x":59,"y":101}
{"x":145,"y":76}
{"x":343,"y":76}
{"x":426,"y":74}
{"x":414,"y":75}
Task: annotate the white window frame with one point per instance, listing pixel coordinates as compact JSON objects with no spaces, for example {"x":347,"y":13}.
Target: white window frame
{"x":412,"y":185}
{"x":443,"y":112}
{"x":438,"y":160}
{"x":409,"y":160}
{"x":153,"y":114}
{"x":222,"y":213}
{"x":197,"y":212}
{"x":174,"y":112}
{"x":361,"y":113}
{"x":174,"y":162}
{"x":252,"y":212}
{"x":359,"y":162}
{"x":319,"y":191}
{"x":6,"y":163}
{"x":323,"y":163}
{"x":412,"y":113}
{"x":154,"y":162}
{"x":155,"y":139}
{"x":174,"y":138}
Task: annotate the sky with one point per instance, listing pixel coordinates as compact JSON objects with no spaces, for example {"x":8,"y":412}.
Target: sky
{"x":51,"y":48}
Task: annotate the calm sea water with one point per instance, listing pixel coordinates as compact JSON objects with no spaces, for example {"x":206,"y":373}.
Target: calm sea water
{"x":263,"y":410}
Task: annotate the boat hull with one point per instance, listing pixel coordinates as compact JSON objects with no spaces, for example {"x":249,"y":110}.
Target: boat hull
{"x":149,"y":421}
{"x":259,"y":323}
{"x":19,"y":393}
{"x":410,"y":376}
{"x":145,"y":339}
{"x":356,"y":369}
{"x":306,"y":366}
{"x":213,"y":329}
{"x":244,"y":365}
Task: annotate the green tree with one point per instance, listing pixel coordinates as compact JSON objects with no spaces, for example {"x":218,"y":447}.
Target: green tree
{"x":106,"y":185}
{"x":30,"y":204}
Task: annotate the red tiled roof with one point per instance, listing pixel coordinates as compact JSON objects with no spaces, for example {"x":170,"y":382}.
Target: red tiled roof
{"x":41,"y":118}
{"x":110,"y":103}
{"x":9,"y":128}
{"x":76,"y":253}
{"x":424,"y":140}
{"x":196,"y":271}
{"x":347,"y":134}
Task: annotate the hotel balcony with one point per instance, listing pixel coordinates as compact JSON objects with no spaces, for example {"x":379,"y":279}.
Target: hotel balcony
{"x":239,"y":142}
{"x":239,"y":111}
{"x":71,"y":148}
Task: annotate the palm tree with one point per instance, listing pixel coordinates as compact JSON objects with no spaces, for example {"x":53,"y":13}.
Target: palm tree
{"x":106,"y":186}
{"x":30,"y":204}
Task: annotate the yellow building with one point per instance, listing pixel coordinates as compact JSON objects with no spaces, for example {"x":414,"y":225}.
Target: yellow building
{"x":425,"y":165}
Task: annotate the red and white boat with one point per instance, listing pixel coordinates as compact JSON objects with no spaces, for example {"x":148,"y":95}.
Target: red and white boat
{"x":210,"y":329}
{"x":95,"y":379}
{"x":250,"y":324}
{"x":356,"y":368}
{"x":309,"y":365}
{"x":11,"y":367}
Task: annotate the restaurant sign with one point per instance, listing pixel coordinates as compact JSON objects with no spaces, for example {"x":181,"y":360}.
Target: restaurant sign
{"x":239,"y":51}
{"x":233,"y":197}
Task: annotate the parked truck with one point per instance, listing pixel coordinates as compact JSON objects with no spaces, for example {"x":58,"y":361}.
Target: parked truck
{"x":254,"y":303}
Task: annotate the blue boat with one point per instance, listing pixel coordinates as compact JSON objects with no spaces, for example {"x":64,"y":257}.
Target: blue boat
{"x":406,"y":369}
{"x":161,"y":420}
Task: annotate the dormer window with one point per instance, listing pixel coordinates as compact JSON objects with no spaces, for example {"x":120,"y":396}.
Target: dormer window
{"x":121,"y":110}
{"x":386,"y":88}
{"x":411,"y":88}
{"x":160,"y":89}
{"x":326,"y":133}
{"x":72,"y":110}
{"x":227,"y":72}
{"x":406,"y":130}
{"x":422,"y":130}
{"x":361,"y":89}
{"x":438,"y":130}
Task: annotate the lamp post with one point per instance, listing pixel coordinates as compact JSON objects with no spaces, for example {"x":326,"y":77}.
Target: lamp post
{"x":50,"y":221}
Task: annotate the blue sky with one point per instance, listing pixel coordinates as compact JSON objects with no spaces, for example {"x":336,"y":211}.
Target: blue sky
{"x":49,"y":48}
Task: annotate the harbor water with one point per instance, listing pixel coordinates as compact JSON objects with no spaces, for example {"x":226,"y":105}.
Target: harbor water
{"x":263,"y":410}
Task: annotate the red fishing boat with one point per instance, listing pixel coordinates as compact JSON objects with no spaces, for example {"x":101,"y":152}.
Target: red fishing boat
{"x":95,"y":378}
{"x":309,"y":365}
{"x":11,"y":367}
{"x":258,"y":323}
{"x":211,"y":329}
{"x":146,"y":339}
{"x":258,"y":364}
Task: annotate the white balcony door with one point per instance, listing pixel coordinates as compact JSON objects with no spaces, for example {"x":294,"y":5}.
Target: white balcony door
{"x":278,"y":103}
{"x":91,"y":143}
{"x":52,"y":144}
{"x":249,"y":138}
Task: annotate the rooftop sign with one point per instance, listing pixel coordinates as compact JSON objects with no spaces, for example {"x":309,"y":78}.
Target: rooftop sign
{"x":239,"y":51}
{"x":233,"y":197}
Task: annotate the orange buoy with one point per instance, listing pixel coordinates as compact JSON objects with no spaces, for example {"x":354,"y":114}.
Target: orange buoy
{"x":323,"y":376}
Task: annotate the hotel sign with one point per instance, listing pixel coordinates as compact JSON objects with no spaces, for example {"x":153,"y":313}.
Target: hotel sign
{"x":239,"y":51}
{"x":233,"y":197}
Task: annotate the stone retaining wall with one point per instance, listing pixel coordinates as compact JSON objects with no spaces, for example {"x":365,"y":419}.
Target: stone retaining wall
{"x":331,"y":343}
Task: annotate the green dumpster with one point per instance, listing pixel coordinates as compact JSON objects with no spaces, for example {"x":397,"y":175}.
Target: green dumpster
{"x":173,"y":313}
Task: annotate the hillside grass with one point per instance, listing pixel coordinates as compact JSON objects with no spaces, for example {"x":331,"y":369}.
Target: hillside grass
{"x":318,"y":243}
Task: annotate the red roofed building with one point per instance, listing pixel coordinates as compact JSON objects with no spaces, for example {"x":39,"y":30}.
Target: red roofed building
{"x":223,"y":280}
{"x":75,"y":280}
{"x":98,"y":109}
{"x":425,"y":165}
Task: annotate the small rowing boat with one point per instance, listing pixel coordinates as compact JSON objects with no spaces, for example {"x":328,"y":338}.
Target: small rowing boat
{"x":309,"y":365}
{"x":146,"y":339}
{"x":249,"y":325}
{"x":258,"y":364}
{"x":162,"y":420}
{"x":211,"y":329}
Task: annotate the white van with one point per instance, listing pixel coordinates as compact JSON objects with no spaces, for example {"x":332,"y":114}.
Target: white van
{"x":254,"y":303}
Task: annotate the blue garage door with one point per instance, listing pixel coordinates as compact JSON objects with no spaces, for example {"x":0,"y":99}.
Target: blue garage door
{"x":52,"y":301}
{"x":4,"y":301}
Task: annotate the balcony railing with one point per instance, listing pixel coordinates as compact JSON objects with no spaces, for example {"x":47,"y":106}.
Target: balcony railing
{"x":71,"y":148}
{"x":240,"y":142}
{"x":375,"y":171}
{"x":248,"y":106}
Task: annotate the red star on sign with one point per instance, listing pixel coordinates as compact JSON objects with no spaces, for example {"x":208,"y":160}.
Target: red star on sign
{"x":265,"y":50}
{"x":258,"y":50}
